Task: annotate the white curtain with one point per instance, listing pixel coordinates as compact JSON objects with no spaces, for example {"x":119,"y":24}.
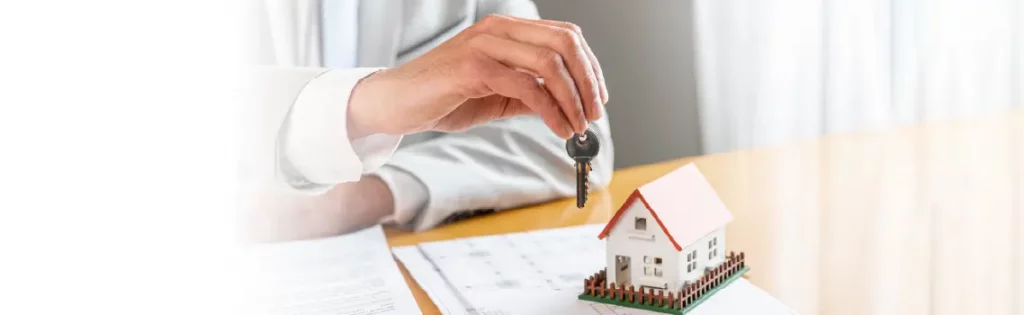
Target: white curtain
{"x":772,"y":72}
{"x":776,"y":71}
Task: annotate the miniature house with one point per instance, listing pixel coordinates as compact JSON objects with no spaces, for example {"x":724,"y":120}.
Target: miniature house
{"x":667,"y":232}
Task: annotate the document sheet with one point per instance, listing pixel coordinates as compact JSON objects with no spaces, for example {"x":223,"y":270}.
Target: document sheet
{"x":540,"y":272}
{"x":353,"y":274}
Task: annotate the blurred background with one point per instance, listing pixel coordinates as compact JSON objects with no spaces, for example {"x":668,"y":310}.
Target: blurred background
{"x":881,"y":218}
{"x":698,"y":77}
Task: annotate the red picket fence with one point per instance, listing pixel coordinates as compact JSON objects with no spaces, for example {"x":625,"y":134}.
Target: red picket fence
{"x":597,"y":286}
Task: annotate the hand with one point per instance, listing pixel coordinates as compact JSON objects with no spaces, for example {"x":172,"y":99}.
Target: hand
{"x":488,"y":71}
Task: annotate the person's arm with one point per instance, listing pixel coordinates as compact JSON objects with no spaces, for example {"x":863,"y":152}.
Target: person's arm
{"x":298,"y":151}
{"x":299,"y":120}
{"x":487,"y":72}
{"x":318,"y":147}
{"x":500,"y":165}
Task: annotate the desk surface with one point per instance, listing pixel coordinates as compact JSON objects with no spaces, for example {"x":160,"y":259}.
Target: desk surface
{"x":926,"y":219}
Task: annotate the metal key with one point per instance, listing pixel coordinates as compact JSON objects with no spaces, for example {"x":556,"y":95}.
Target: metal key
{"x":582,"y":149}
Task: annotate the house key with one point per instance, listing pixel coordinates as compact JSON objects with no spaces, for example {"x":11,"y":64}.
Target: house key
{"x":582,"y":148}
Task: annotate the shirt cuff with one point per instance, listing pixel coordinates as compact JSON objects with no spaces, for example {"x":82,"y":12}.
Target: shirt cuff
{"x":315,"y":142}
{"x":409,"y":194}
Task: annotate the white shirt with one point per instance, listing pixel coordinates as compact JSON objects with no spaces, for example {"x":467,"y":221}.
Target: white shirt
{"x":340,"y":29}
{"x":499,"y":165}
{"x":312,"y":148}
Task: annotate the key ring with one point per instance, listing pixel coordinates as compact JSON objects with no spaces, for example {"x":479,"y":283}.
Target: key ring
{"x":581,"y":138}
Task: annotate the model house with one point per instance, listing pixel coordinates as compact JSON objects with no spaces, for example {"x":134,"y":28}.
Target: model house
{"x":667,"y":232}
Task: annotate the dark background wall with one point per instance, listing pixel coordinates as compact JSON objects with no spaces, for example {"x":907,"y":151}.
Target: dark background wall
{"x":646,"y":52}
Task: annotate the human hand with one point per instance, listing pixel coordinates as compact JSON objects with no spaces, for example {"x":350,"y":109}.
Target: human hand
{"x":487,"y":72}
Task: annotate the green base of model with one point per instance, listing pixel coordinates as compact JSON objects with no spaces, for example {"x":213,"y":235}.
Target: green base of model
{"x":666,"y":308}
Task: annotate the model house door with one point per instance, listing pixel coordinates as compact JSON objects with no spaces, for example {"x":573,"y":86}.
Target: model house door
{"x":622,"y":270}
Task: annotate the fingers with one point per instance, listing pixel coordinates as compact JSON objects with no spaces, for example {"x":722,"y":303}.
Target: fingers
{"x":524,"y":87}
{"x":566,"y":43}
{"x":544,"y":62}
{"x":586,"y":47}
{"x":516,"y":107}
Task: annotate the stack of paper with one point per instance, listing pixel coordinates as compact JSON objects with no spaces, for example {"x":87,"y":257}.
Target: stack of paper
{"x":540,"y":272}
{"x":352,"y":274}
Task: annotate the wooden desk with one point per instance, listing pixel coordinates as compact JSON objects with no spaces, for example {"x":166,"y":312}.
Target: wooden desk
{"x":919,"y":220}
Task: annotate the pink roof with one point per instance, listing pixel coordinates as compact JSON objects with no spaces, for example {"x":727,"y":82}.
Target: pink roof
{"x":683,"y":203}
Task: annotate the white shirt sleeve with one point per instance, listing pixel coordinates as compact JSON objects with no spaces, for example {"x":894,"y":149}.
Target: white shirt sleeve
{"x":314,"y":150}
{"x":409,"y":194}
{"x":500,"y":165}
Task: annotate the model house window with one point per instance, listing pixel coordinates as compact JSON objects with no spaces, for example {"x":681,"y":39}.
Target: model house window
{"x":691,"y":261}
{"x":647,"y":271}
{"x":640,"y":224}
{"x":657,"y":272}
{"x":655,"y":260}
{"x":712,"y":251}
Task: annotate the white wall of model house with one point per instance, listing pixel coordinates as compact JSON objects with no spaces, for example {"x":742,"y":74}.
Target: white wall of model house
{"x":706,"y":252}
{"x":625,"y":239}
{"x":644,"y":243}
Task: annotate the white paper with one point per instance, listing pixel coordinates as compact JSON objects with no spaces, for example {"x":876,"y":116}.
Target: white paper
{"x":353,"y":274}
{"x":429,"y":279}
{"x":542,"y":272}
